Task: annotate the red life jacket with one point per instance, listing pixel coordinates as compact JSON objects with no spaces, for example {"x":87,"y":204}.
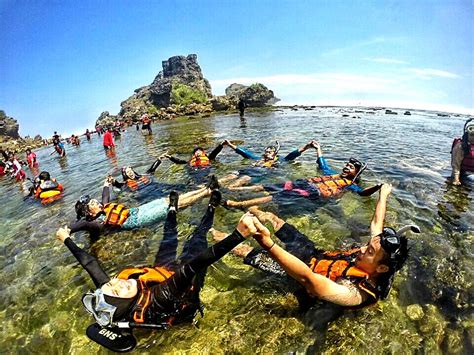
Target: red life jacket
{"x":467,"y":164}
{"x":330,"y":185}
{"x":335,"y":265}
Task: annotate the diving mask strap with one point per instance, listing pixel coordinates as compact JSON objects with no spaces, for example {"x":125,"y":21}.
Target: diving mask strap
{"x":361,"y":170}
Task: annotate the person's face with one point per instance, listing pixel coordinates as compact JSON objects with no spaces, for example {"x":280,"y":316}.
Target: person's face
{"x":198,"y":153}
{"x":120,"y":288}
{"x":269,"y":154}
{"x":470,"y":134}
{"x":370,"y":256}
{"x":349,"y":170}
{"x":130,"y":173}
{"x":94,"y":207}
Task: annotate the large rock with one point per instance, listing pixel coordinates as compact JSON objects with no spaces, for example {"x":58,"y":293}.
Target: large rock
{"x":235,"y":90}
{"x":255,"y":95}
{"x":8,"y":126}
{"x":180,"y":82}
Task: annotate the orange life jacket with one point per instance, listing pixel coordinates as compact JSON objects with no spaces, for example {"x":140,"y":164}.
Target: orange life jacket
{"x":146,"y":277}
{"x":138,"y":183}
{"x":334,"y":265}
{"x":200,"y":161}
{"x":330,"y":185}
{"x":116,"y":214}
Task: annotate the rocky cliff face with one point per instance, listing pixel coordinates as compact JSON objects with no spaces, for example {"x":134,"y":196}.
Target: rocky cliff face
{"x":10,"y":139}
{"x":181,"y":77}
{"x":8,"y":126}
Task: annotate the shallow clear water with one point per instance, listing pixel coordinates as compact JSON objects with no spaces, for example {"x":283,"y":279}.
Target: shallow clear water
{"x":245,"y":312}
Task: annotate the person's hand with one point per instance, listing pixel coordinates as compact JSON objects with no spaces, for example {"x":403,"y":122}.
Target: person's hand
{"x":225,"y":142}
{"x":385,"y":190}
{"x":262,"y":236}
{"x":315,"y":144}
{"x":110,"y":179}
{"x":456,"y":182}
{"x":246,"y":226}
{"x":308,"y":145}
{"x":163,"y":156}
{"x":63,"y":233}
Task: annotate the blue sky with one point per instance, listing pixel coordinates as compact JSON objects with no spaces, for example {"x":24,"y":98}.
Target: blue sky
{"x":64,"y":62}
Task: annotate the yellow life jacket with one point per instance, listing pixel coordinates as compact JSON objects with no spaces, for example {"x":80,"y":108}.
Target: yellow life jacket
{"x":330,"y":185}
{"x":146,"y":277}
{"x":267,"y":163}
{"x":116,"y":214}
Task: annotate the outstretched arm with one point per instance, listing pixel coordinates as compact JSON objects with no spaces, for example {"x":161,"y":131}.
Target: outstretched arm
{"x":456,"y":160}
{"x":297,"y":152}
{"x":376,"y":226}
{"x":242,"y":151}
{"x":176,"y":160}
{"x":216,"y":151}
{"x":88,"y":262}
{"x":370,"y":190}
{"x":315,"y":284}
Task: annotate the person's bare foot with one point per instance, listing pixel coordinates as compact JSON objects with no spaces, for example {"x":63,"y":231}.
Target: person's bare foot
{"x":217,"y":235}
{"x":264,"y":217}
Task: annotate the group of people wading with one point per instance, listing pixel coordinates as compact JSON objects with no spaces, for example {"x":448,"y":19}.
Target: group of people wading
{"x":166,"y":293}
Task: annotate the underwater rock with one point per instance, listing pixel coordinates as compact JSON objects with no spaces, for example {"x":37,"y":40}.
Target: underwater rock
{"x":415,"y":312}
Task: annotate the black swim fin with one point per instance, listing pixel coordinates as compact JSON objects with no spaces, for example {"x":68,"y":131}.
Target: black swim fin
{"x":115,"y":339}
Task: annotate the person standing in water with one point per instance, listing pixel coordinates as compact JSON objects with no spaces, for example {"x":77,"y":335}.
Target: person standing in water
{"x":108,"y":139}
{"x":462,"y":155}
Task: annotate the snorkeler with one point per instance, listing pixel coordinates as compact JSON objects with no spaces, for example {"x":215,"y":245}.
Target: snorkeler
{"x":199,"y":159}
{"x":462,"y":155}
{"x":95,"y":217}
{"x":352,"y":278}
{"x":45,"y":188}
{"x":135,"y":181}
{"x":269,"y":158}
{"x":155,"y":297}
{"x":331,"y":184}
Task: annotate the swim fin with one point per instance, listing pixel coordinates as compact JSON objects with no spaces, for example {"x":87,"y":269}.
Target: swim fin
{"x":113,"y":338}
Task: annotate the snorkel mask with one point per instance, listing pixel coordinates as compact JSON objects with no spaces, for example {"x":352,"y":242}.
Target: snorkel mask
{"x":271,"y":152}
{"x":81,"y":206}
{"x":360,"y":166}
{"x":95,"y":304}
{"x":128,"y":173}
{"x":394,"y":243}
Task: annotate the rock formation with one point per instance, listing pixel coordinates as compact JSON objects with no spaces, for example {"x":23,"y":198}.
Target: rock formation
{"x":180,"y":89}
{"x":10,"y":139}
{"x":8,"y":126}
{"x":255,"y":95}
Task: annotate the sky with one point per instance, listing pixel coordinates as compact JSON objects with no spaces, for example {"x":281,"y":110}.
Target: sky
{"x":63,"y":62}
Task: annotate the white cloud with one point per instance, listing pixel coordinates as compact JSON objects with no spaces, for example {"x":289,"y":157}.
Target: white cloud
{"x":362,"y":44}
{"x":428,"y":73}
{"x":386,"y":60}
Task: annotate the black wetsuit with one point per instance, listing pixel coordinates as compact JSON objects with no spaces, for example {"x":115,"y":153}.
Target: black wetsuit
{"x":178,"y":296}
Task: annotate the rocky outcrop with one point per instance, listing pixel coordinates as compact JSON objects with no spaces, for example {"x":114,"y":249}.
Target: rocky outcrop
{"x":181,"y":89}
{"x":106,"y":119}
{"x":10,"y":139}
{"x":8,"y":126}
{"x":180,"y":82}
{"x":255,"y":95}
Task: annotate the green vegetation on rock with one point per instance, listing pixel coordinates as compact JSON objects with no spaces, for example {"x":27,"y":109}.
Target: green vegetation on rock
{"x":182,"y":94}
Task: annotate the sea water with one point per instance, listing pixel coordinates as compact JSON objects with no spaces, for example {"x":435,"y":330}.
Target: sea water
{"x":429,"y":309}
